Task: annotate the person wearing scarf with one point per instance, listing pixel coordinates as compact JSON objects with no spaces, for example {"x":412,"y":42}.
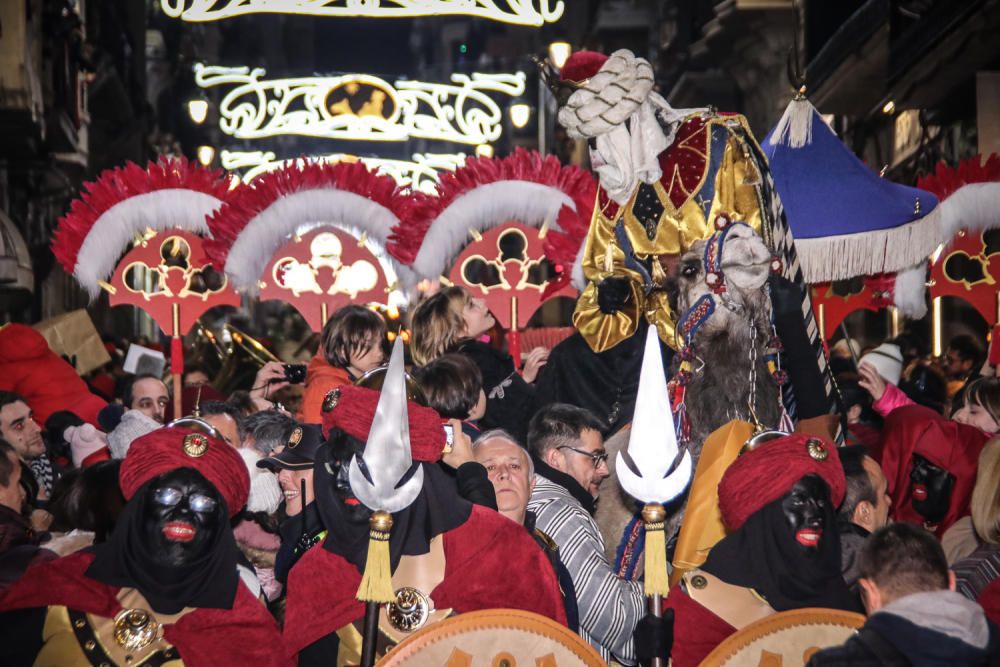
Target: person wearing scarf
{"x":165,"y":586}
{"x":781,"y":552}
{"x":459,"y":556}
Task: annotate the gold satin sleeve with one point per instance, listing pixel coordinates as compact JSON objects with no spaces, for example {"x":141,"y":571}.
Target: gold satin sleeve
{"x":735,"y":194}
{"x":702,"y":527}
{"x":603,"y":331}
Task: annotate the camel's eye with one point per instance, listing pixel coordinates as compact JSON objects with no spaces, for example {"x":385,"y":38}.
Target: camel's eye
{"x":689,"y":271}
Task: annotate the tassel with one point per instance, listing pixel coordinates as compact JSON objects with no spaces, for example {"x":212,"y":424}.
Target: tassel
{"x":655,"y":550}
{"x":795,"y":127}
{"x":376,"y":583}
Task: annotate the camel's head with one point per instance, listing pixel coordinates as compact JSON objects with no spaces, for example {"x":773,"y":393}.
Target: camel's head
{"x":732,"y":273}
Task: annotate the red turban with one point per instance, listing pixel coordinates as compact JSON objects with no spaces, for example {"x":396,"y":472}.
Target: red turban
{"x":352,"y":409}
{"x":582,"y":65}
{"x":167,"y":449}
{"x":766,"y":473}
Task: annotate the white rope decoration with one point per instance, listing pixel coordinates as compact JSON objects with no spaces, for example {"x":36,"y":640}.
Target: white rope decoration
{"x":631,"y":124}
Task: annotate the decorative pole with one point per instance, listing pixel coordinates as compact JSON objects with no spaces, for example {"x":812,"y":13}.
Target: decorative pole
{"x":388,"y":459}
{"x":659,"y":471}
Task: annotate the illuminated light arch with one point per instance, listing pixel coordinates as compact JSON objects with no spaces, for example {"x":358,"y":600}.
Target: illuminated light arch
{"x":518,"y":12}
{"x":421,"y":174}
{"x":371,"y":109}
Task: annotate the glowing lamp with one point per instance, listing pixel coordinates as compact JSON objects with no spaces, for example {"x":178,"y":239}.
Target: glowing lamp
{"x":484,"y":150}
{"x":559,"y":53}
{"x":198,"y":110}
{"x":519,"y":114}
{"x":206,"y":154}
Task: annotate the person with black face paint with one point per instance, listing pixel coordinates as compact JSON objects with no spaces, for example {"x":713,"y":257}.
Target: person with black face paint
{"x":930,"y":463}
{"x":293,"y":464}
{"x":782,"y":551}
{"x":165,"y":586}
{"x":446,"y":554}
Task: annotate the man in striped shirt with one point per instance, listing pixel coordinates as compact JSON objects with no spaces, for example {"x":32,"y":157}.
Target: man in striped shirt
{"x":570,"y":464}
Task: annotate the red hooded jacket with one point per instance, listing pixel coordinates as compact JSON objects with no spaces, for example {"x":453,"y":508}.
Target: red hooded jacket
{"x":914,"y":429}
{"x":29,"y":368}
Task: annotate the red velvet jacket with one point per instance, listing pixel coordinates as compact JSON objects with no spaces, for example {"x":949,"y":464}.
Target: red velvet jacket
{"x":244,"y":635}
{"x":697,"y":631}
{"x":491,"y":563}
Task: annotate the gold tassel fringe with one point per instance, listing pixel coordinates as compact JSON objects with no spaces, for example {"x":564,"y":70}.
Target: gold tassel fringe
{"x":376,"y":583}
{"x":655,"y":550}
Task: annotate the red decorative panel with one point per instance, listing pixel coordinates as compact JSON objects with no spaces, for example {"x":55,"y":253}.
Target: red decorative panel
{"x":168,"y":276}
{"x":969,"y":268}
{"x":323,"y":271}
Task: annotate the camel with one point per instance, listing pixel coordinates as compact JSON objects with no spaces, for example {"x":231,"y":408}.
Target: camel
{"x":719,"y":389}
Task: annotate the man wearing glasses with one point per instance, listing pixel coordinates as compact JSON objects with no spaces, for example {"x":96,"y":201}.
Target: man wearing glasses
{"x":567,"y":446}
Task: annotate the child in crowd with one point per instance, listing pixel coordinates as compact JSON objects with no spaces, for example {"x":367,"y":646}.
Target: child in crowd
{"x":352,"y":343}
{"x":452,"y":321}
{"x":453,"y":386}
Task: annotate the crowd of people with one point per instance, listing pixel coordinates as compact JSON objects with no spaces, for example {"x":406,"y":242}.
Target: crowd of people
{"x":127,"y":532}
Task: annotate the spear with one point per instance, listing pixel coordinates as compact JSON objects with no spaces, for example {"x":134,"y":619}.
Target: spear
{"x":661,"y":470}
{"x":387,"y":460}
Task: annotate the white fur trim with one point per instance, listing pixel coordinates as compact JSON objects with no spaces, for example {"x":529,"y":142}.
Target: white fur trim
{"x":972,"y":207}
{"x":482,"y":209}
{"x":910,"y":289}
{"x":270,"y":228}
{"x":116,"y":227}
{"x":866,"y":254}
{"x":795,"y":127}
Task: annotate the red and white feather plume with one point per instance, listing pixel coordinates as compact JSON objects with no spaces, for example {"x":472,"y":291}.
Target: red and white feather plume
{"x":124,"y":203}
{"x":968,"y":194}
{"x":487,"y":192}
{"x":261,"y":217}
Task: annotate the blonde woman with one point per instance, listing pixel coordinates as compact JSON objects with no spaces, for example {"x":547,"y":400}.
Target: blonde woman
{"x":977,"y":576}
{"x":453,"y":321}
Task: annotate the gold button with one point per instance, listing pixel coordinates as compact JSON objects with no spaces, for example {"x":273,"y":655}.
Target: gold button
{"x":79,"y":623}
{"x":698,"y":581}
{"x":89,"y":645}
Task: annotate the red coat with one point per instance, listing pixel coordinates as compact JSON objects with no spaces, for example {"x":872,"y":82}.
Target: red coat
{"x":914,"y":429}
{"x":491,"y":563}
{"x":244,"y":635}
{"x":28,"y":367}
{"x":697,"y":631}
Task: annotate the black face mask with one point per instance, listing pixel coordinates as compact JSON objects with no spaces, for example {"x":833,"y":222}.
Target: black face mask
{"x":182,"y":513}
{"x":805,"y":509}
{"x":930,"y":489}
{"x":342,"y":449}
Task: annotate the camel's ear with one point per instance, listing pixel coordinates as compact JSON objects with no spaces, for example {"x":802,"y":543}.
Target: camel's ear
{"x":673,"y":292}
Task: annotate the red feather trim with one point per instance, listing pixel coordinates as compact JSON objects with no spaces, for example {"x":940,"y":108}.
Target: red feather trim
{"x":248,"y":201}
{"x":116,"y":185}
{"x":946,"y":180}
{"x":522,"y":165}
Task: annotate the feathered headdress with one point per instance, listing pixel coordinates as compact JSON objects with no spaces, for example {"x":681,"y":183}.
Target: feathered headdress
{"x":124,"y":203}
{"x":488,"y":192}
{"x":291,"y":200}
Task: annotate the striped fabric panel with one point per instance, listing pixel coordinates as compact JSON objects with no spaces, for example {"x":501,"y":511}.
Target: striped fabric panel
{"x":778,"y":236}
{"x":609,"y":607}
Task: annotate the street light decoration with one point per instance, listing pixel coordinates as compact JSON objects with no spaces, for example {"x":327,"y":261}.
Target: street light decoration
{"x":518,"y":12}
{"x":359,"y":106}
{"x":313,"y":235}
{"x":419,"y":174}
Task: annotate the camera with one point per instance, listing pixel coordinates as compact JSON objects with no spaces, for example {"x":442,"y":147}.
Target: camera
{"x":295,"y":373}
